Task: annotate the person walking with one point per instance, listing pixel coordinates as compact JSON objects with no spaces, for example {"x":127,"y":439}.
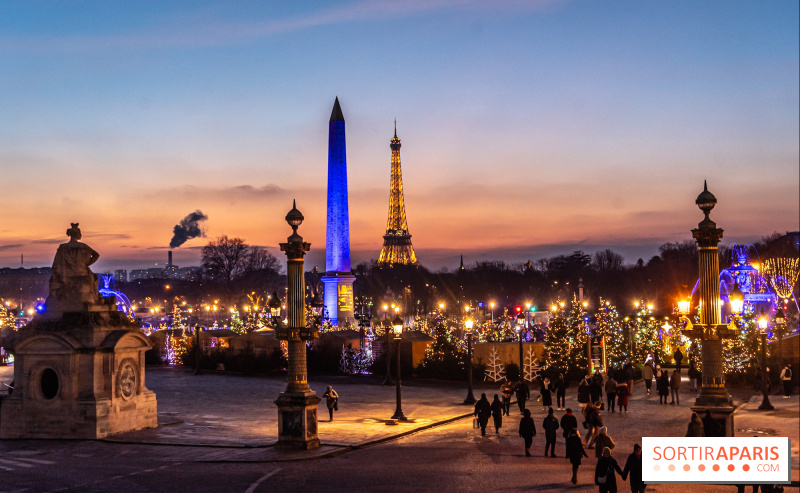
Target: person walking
{"x":603,"y":441}
{"x":497,"y":414}
{"x":596,"y":388}
{"x":611,"y":393}
{"x":483,"y":410}
{"x":694,"y":376}
{"x":622,"y":396}
{"x":507,"y":390}
{"x":583,"y":392}
{"x":331,"y":400}
{"x":575,"y":452}
{"x":675,"y":387}
{"x":662,"y":385}
{"x":568,"y":423}
{"x":633,"y":468}
{"x":523,"y":394}
{"x":561,"y":392}
{"x":678,"y":357}
{"x":594,"y":421}
{"x":629,"y":376}
{"x":647,"y":376}
{"x":550,"y":426}
{"x":786,"y":380}
{"x":546,"y":391}
{"x":711,"y":426}
{"x":695,"y":428}
{"x":605,"y":472}
{"x":527,"y":430}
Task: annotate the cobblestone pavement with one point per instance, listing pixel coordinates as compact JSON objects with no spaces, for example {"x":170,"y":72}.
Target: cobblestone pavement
{"x":223,"y":418}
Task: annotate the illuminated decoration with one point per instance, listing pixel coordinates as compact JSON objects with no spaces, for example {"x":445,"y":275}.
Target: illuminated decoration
{"x":108,"y":288}
{"x":556,"y":341}
{"x":495,"y":370}
{"x":397,"y":248}
{"x":338,"y":272}
{"x":783,"y":274}
{"x":7,"y":320}
{"x":610,"y":327}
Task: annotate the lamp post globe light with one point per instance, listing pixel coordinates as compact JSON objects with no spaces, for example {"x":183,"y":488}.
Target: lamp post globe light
{"x":763,"y":326}
{"x":397,"y":325}
{"x":468,"y":329}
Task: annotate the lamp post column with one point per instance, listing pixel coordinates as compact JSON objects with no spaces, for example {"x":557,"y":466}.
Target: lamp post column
{"x":713,"y":395}
{"x":765,"y":404}
{"x":297,"y":405}
{"x":398,"y":412}
{"x":470,"y":397}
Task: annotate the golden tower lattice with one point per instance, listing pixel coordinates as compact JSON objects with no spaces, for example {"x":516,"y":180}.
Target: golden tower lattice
{"x":397,"y":248}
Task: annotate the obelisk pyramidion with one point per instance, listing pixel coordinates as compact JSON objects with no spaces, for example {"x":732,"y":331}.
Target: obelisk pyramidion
{"x":338,"y":278}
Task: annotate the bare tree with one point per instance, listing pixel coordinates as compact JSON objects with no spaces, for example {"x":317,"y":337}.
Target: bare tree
{"x":225,"y":259}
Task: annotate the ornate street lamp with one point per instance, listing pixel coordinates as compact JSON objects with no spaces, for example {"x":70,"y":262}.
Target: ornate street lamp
{"x":520,"y":325}
{"x":397,"y":325}
{"x":468,"y":329}
{"x":387,"y":330}
{"x":736,"y":297}
{"x":763,"y":326}
{"x":274,"y":305}
{"x":297,"y":405}
{"x":710,"y":331}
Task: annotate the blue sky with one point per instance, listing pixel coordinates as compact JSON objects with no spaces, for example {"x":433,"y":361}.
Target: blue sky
{"x":528,"y":128}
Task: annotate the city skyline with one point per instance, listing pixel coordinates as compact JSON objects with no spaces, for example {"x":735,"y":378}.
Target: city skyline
{"x":529,"y":129}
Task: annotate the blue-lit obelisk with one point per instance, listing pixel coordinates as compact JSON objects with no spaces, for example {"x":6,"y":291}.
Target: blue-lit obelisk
{"x":338,"y":278}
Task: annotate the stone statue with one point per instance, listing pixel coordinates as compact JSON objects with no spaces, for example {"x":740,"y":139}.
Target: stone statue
{"x":72,"y":283}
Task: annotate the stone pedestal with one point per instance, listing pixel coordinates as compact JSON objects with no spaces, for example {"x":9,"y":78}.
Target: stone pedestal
{"x":79,"y":375}
{"x":297,"y":420}
{"x":722,"y":414}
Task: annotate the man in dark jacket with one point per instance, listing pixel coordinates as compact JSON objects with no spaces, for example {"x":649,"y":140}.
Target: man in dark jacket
{"x":711,"y":426}
{"x":550,"y":426}
{"x":568,"y":423}
{"x":678,"y":357}
{"x":633,"y":466}
{"x":483,"y":410}
{"x":596,"y":387}
{"x":507,"y":390}
{"x":527,"y":430}
{"x":561,"y":392}
{"x":523,"y":393}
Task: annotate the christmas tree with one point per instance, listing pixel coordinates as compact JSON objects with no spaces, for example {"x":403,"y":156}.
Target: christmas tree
{"x":576,"y":333}
{"x":556,"y":342}
{"x":609,"y":326}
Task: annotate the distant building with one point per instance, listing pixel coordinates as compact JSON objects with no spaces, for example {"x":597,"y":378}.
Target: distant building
{"x":121,"y":275}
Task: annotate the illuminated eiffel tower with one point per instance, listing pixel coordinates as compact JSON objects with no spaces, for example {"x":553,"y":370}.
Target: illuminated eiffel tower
{"x":397,"y":248}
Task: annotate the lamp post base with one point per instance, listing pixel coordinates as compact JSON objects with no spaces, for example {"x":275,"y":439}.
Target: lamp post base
{"x":297,"y":420}
{"x":470,"y":399}
{"x":399,"y":416}
{"x":766,"y":405}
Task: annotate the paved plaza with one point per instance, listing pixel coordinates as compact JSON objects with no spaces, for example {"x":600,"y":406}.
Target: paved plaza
{"x":220,"y":427}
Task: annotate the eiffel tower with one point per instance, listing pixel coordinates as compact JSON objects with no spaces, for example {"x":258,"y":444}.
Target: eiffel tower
{"x":397,"y":248}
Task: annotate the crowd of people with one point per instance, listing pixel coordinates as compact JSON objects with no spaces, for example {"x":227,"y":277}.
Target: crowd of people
{"x":616,"y":387}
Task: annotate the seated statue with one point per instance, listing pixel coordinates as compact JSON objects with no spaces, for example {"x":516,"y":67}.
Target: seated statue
{"x":72,"y":283}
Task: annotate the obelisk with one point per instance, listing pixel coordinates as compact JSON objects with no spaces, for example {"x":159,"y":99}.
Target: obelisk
{"x":338,"y":278}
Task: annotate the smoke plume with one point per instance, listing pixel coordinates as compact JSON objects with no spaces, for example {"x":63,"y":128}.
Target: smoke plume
{"x":187,"y":229}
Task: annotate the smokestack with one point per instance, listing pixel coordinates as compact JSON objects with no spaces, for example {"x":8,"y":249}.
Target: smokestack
{"x":169,"y":258}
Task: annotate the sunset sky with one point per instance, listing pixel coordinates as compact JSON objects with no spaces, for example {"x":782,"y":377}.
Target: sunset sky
{"x":529,"y":128}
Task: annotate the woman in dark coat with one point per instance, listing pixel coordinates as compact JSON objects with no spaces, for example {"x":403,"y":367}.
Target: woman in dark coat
{"x":583,"y":391}
{"x":527,"y":430}
{"x":596,"y":388}
{"x":546,"y":389}
{"x":575,"y":452}
{"x":483,"y":410}
{"x":550,"y":425}
{"x":633,"y":467}
{"x":663,"y":386}
{"x":605,"y":472}
{"x":561,"y":392}
{"x":331,"y":400}
{"x":497,"y":414}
